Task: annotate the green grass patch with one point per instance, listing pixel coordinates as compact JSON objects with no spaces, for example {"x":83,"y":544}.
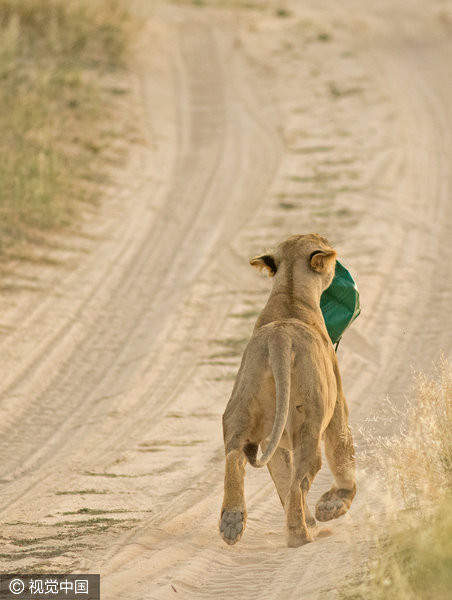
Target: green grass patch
{"x":223,"y":4}
{"x":317,"y":177}
{"x":287,"y":205}
{"x":308,"y":196}
{"x":283,"y":12}
{"x":47,"y":552}
{"x":247,"y":314}
{"x":117,"y":475}
{"x":337,"y":162}
{"x":337,"y":92}
{"x":313,"y":149}
{"x":53,"y":56}
{"x":323,"y":36}
{"x":95,"y":511}
{"x":79,"y":492}
{"x":95,"y":522}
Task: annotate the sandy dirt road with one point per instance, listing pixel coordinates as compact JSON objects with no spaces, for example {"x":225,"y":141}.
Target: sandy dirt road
{"x":116,"y":369}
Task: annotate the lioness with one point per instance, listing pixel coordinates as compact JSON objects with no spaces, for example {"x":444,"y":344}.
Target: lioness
{"x":287,"y":395}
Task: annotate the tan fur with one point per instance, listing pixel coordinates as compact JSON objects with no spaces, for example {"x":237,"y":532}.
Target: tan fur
{"x":288,"y":395}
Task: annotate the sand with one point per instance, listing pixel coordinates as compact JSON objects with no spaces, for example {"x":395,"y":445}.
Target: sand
{"x":119,"y":352}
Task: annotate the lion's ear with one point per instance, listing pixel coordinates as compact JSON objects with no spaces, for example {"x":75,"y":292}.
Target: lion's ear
{"x":266,"y":261}
{"x":319,"y":259}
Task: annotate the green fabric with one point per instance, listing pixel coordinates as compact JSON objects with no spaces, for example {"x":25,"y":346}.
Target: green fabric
{"x":340,"y":303}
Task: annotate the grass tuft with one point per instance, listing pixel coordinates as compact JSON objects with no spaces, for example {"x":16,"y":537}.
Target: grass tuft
{"x":282,"y":12}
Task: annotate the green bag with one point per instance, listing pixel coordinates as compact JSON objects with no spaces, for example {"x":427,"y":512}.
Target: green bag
{"x":340,"y":303}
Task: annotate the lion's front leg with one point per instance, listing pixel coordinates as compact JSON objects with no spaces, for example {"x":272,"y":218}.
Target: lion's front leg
{"x":340,"y":454}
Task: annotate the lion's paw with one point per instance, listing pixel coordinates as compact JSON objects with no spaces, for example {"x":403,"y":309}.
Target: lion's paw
{"x":232,"y":525}
{"x":332,"y":505}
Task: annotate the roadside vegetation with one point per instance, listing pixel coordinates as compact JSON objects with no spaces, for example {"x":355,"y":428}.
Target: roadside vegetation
{"x":54,"y":58}
{"x":413,"y":556}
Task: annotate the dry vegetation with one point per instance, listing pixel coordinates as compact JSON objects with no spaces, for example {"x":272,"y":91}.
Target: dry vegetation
{"x":53,"y":57}
{"x":414,"y":554}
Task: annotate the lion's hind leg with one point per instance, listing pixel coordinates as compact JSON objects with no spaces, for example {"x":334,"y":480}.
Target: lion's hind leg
{"x":233,"y":511}
{"x":339,"y":451}
{"x":307,"y":462}
{"x":280,"y":469}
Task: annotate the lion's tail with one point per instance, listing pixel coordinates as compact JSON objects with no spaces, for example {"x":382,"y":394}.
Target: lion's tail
{"x":280,"y":349}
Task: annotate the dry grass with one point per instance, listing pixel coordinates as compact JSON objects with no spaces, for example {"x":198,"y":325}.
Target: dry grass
{"x":419,"y":458}
{"x":53,"y":56}
{"x":414,"y":556}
